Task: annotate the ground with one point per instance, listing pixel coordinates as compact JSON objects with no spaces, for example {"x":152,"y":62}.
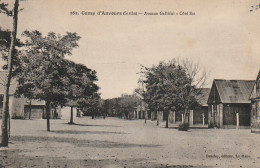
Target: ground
{"x":116,"y":142}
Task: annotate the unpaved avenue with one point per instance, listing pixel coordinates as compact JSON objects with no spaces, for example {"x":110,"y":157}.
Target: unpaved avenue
{"x":120,"y":143}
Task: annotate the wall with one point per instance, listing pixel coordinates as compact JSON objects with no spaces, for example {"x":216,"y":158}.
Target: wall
{"x":255,"y":116}
{"x":198,"y":117}
{"x":160,"y":116}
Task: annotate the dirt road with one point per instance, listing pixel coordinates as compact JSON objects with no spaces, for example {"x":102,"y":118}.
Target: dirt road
{"x":121,"y":143}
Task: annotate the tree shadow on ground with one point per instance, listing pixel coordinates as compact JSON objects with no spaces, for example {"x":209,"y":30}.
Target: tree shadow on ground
{"x":88,"y":125}
{"x":80,"y":142}
{"x":15,"y":158}
{"x":85,"y":132}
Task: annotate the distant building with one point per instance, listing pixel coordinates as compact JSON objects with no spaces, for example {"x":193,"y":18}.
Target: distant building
{"x":24,"y":108}
{"x":228,"y":102}
{"x":140,"y":112}
{"x":255,"y":106}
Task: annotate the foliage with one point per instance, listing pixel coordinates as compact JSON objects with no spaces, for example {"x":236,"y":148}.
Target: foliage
{"x":42,"y":69}
{"x":255,"y":7}
{"x":121,"y":106}
{"x":128,"y":103}
{"x":80,"y":85}
{"x":5,"y":42}
{"x":163,"y":83}
{"x":92,"y":105}
{"x":171,"y":86}
{"x":4,"y":9}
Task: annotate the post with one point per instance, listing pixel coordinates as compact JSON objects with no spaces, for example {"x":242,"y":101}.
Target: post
{"x":71,"y":115}
{"x":203,"y":118}
{"x":182,"y":118}
{"x":158,"y":118}
{"x":221,"y":115}
{"x":173,"y":116}
{"x":237,"y":114}
{"x":145,"y":116}
{"x":191,"y":117}
{"x":78,"y":113}
{"x":167,"y":120}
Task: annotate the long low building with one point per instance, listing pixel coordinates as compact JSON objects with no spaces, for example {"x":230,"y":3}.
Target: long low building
{"x":23,"y":108}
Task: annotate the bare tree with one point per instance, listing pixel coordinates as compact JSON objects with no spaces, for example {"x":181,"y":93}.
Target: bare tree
{"x":198,"y":80}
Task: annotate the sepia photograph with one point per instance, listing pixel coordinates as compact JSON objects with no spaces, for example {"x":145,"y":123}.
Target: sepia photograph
{"x":130,"y":83}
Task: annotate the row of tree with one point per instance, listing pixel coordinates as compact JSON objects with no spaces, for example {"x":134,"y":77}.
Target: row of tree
{"x":121,"y":106}
{"x":39,"y":66}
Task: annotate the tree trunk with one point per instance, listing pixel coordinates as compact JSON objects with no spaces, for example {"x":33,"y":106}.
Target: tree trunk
{"x":9,"y":125}
{"x":48,"y":114}
{"x":167,"y":120}
{"x":30,"y":110}
{"x":5,"y":114}
{"x":93,"y":115}
{"x":71,"y":115}
{"x":184,"y":115}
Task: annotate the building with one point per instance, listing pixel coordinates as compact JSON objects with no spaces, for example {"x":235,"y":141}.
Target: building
{"x":199,"y":115}
{"x":23,"y":108}
{"x":228,"y":103}
{"x":255,"y":106}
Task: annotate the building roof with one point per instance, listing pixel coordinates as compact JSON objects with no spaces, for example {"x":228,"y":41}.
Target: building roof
{"x":13,"y":84}
{"x":234,"y":91}
{"x":255,"y":93}
{"x":203,"y":98}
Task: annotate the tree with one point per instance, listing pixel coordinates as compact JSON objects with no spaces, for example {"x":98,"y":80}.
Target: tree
{"x":121,"y":106}
{"x":80,"y":86}
{"x":5,"y":43}
{"x":161,"y":86}
{"x":128,"y":103}
{"x":42,"y":74}
{"x":255,"y":7}
{"x":11,"y":52}
{"x":91,"y":105}
{"x":170,"y":86}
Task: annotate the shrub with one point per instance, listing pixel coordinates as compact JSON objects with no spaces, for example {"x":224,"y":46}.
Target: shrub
{"x":17,"y":117}
{"x":184,"y":127}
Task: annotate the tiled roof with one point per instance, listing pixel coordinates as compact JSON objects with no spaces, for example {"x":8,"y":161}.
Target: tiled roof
{"x":255,"y":94}
{"x":234,"y":91}
{"x":203,"y":98}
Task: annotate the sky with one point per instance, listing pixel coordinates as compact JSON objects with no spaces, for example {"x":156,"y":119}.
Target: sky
{"x":223,"y":36}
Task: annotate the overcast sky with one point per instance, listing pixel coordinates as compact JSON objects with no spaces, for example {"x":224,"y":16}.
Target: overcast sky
{"x":223,"y":36}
